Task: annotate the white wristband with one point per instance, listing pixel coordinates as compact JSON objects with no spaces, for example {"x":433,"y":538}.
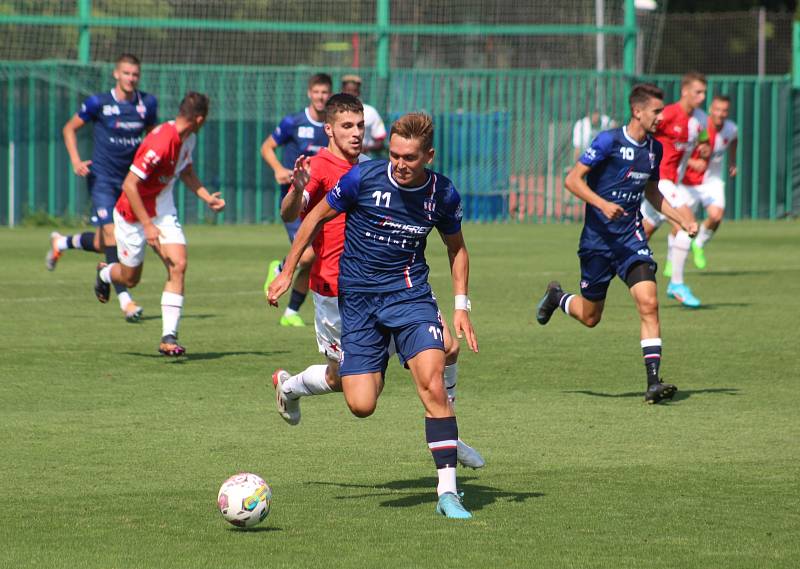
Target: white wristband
{"x":463,"y":303}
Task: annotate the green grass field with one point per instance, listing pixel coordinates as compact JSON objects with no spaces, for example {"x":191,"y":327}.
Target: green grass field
{"x":112,"y":455}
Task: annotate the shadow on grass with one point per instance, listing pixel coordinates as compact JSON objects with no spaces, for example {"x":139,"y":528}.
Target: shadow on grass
{"x":418,"y":491}
{"x":257,"y":529}
{"x":197,"y":316}
{"x":680,"y":396}
{"x":203,"y":356}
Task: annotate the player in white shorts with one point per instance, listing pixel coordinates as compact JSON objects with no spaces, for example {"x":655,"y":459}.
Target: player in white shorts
{"x":146,"y":215}
{"x":707,"y":186}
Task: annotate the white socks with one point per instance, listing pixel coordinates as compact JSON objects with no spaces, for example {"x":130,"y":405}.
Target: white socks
{"x":670,"y":242}
{"x":447,"y":481}
{"x":289,"y":312}
{"x":704,"y":235}
{"x":124,"y":298}
{"x":450,"y":377}
{"x":311,"y":381}
{"x":105,"y":273}
{"x":680,"y":250}
{"x":171,"y":305}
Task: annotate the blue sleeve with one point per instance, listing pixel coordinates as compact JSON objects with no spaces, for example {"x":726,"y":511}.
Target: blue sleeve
{"x":90,"y":109}
{"x":452,"y":212}
{"x":344,"y":195}
{"x":283,"y":132}
{"x":151,"y":104}
{"x":598,"y":150}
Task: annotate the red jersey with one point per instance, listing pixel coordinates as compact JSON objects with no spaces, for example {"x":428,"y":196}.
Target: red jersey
{"x":677,"y":133}
{"x":326,"y":169}
{"x":154,"y":164}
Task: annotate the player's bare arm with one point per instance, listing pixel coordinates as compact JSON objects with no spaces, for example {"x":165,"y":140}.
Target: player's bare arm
{"x":80,"y":167}
{"x":131,"y":188}
{"x":459,"y":269}
{"x":292,"y":204}
{"x":214,"y":201}
{"x":316,"y":218}
{"x":282,"y":175}
{"x":576,"y":184}
{"x":732,"y":157}
{"x":655,"y":197}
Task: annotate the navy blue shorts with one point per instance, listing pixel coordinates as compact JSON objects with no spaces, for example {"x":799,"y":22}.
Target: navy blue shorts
{"x":371,"y":320}
{"x":291,"y":226}
{"x":104,"y":193}
{"x":598,"y":266}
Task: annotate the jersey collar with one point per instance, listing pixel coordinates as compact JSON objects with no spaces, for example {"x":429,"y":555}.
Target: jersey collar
{"x":312,"y":121}
{"x":114,"y":96}
{"x":632,"y":141}
{"x":404,"y":188}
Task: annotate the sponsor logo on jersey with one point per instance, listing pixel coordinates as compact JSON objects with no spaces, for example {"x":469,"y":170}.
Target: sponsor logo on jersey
{"x":129,"y":125}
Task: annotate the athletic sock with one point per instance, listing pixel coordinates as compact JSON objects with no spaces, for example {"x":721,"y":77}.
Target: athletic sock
{"x":442,"y":437}
{"x":310,"y":381}
{"x":123,"y":297}
{"x":111,"y":258}
{"x":450,"y":378}
{"x":670,"y":242}
{"x":296,"y":300}
{"x":85,"y":241}
{"x":680,"y":250}
{"x":171,"y":305}
{"x":704,"y":235}
{"x":651,"y":350}
{"x":565,"y":302}
{"x":105,"y":273}
{"x":66,"y":242}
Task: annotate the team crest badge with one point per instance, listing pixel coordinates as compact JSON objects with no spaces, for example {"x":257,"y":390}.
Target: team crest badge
{"x":141,"y":109}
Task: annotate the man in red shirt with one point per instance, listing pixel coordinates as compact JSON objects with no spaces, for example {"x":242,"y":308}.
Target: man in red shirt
{"x":679,"y":133}
{"x":312,"y":178}
{"x":145,"y":213}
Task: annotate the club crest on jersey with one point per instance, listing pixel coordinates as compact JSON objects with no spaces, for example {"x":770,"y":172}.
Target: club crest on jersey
{"x":141,"y":109}
{"x":652,"y":157}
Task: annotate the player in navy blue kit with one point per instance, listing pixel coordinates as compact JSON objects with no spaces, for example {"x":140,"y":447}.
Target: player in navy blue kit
{"x":303,"y":134}
{"x":620,"y":168}
{"x":121,"y":117}
{"x":384,"y":295}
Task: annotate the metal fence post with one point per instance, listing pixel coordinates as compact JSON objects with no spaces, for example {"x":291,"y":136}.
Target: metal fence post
{"x":84,"y":31}
{"x":382,"y":53}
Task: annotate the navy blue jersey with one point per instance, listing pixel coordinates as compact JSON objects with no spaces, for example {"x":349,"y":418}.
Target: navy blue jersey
{"x":118,"y":129}
{"x":388,"y":224}
{"x":300,"y":135}
{"x":620,"y":169}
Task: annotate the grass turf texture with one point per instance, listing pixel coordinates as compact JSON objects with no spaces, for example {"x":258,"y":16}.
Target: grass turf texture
{"x":112,"y":455}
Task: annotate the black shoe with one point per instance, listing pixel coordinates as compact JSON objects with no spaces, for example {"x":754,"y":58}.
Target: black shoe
{"x":169,"y":346}
{"x":549,"y":303}
{"x":102,"y":290}
{"x":658,"y":392}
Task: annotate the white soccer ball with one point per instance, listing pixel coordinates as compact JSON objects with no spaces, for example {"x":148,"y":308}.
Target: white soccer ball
{"x":244,"y":499}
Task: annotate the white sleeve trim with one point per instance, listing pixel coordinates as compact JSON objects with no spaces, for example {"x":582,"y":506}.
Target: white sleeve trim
{"x":138,"y":172}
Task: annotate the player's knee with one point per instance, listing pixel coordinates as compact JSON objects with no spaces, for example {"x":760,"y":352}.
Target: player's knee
{"x":130,"y":280}
{"x":592,"y":320}
{"x":178,"y":266}
{"x":362,"y":409}
{"x":648,"y":306}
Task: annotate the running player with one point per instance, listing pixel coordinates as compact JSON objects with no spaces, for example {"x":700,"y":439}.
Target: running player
{"x":614,"y":173}
{"x":706,"y":182}
{"x":678,"y":132}
{"x":391,"y":207}
{"x":121,"y":117}
{"x":145,"y":213}
{"x":300,"y":133}
{"x":312,"y":178}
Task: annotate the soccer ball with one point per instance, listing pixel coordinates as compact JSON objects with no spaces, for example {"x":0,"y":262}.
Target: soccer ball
{"x":244,"y":499}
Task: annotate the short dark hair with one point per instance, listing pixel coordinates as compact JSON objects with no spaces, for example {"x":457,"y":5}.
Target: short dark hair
{"x":414,"y":125}
{"x":341,"y":103}
{"x":128,"y":58}
{"x":194,"y":105}
{"x":643,"y":92}
{"x":692,"y":76}
{"x":721,"y":97}
{"x":320,"y":79}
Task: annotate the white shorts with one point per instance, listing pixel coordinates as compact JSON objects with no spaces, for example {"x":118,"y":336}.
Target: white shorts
{"x":131,"y":243}
{"x":676,"y":196}
{"x":711,"y":192}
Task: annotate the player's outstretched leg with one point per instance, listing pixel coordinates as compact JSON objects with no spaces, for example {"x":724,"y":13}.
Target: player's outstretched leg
{"x":677,"y":289}
{"x":466,"y":455}
{"x":549,"y":302}
{"x":59,"y":243}
{"x":288,"y":408}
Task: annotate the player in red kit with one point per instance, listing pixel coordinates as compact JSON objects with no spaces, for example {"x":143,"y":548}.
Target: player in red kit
{"x":312,"y":179}
{"x":678,"y":133}
{"x":145,"y":214}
